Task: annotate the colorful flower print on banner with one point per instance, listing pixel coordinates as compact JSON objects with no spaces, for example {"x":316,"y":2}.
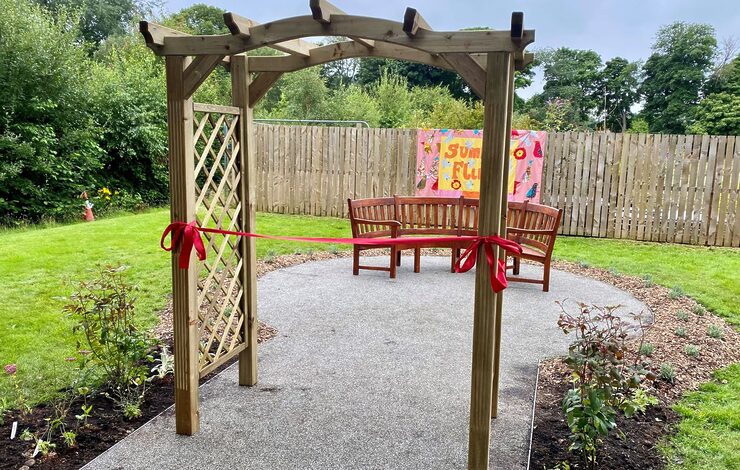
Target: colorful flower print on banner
{"x":448,"y":163}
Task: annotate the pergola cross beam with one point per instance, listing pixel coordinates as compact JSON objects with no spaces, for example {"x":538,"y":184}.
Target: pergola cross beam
{"x":485,"y":59}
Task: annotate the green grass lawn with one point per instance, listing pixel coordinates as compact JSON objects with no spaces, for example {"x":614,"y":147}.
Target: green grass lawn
{"x":708,"y":436}
{"x":709,"y":275}
{"x":39,"y":269}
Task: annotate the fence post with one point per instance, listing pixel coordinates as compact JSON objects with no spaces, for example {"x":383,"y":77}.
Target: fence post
{"x":184,"y":285}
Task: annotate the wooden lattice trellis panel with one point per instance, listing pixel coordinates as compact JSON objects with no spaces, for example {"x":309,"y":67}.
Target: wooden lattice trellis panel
{"x":218,"y":205}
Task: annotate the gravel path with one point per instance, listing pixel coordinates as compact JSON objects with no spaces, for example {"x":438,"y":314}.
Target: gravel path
{"x":368,"y":372}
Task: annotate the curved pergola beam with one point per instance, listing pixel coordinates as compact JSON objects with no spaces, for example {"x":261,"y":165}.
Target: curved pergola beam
{"x":343,"y":50}
{"x":375,"y":29}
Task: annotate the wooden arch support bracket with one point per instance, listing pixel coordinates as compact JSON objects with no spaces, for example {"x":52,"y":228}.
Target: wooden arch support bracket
{"x":322,"y":11}
{"x":469,"y":69}
{"x":240,"y":26}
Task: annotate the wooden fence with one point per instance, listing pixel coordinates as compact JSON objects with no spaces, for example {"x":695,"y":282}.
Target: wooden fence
{"x":669,"y":188}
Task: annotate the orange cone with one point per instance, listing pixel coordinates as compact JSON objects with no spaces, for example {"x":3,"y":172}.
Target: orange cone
{"x":89,"y":216}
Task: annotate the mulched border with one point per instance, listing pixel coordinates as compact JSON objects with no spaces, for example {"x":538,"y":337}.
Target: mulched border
{"x":643,"y":433}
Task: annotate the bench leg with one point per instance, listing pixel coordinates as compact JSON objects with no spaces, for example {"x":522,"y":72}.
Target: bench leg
{"x":417,"y":260}
{"x":517,"y":262}
{"x":398,"y":258}
{"x":394,"y":259}
{"x":546,"y":277}
{"x":455,"y":256}
{"x":356,"y":262}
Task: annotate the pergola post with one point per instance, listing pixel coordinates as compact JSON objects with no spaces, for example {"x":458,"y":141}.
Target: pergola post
{"x":496,"y":133}
{"x":182,"y":209}
{"x":502,"y":253}
{"x":247,"y":182}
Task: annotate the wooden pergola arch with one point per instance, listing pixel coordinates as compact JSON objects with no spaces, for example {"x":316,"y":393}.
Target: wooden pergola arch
{"x":486,"y":60}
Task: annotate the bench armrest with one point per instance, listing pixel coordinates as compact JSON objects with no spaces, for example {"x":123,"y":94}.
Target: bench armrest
{"x":390,"y":223}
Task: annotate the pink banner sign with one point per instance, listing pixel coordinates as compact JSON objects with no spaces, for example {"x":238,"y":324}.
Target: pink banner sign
{"x":448,"y":163}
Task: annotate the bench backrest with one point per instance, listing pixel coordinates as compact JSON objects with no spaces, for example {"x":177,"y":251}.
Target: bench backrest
{"x":378,"y":209}
{"x":429,"y":215}
{"x":516,"y":213}
{"x":539,"y":217}
{"x":470,"y":216}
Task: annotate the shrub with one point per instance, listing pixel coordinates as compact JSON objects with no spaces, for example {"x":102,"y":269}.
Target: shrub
{"x":648,"y":280}
{"x":647,"y":349}
{"x":698,"y":310}
{"x":715,"y":332}
{"x":605,"y":375}
{"x":691,"y":350}
{"x":614,"y":271}
{"x":667,"y":372}
{"x":104,"y":312}
{"x":682,"y":315}
{"x":676,"y":292}
{"x":681,"y":332}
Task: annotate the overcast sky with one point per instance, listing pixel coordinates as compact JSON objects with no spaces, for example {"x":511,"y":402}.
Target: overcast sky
{"x":612,"y":28}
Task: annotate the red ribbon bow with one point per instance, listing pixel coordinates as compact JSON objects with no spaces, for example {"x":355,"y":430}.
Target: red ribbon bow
{"x":468,"y":259}
{"x":189,"y":235}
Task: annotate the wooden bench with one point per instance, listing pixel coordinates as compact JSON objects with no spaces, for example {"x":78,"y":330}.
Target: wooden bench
{"x":534,"y":226}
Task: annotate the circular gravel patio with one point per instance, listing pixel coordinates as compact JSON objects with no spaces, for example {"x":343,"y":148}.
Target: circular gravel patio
{"x":369,"y":372}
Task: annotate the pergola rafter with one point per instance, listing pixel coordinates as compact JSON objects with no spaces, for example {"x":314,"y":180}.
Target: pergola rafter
{"x":212,"y":172}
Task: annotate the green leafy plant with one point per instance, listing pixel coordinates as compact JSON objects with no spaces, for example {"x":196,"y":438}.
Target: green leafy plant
{"x":647,"y":349}
{"x":45,"y":447}
{"x":584,"y":264}
{"x":270,"y":256}
{"x":333,"y":249}
{"x":648,"y":280}
{"x":698,"y":310}
{"x":605,"y":372}
{"x":104,"y":312}
{"x":84,"y":393}
{"x":614,"y":271}
{"x":638,"y":402}
{"x":691,"y":350}
{"x":667,"y":372}
{"x":676,"y":292}
{"x":70,"y":438}
{"x":132,"y":410}
{"x":26,"y":435}
{"x":682,"y":315}
{"x":715,"y":332}
{"x":165,"y":366}
{"x":681,"y":332}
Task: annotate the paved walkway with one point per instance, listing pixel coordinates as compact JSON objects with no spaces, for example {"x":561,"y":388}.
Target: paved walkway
{"x":368,"y":372}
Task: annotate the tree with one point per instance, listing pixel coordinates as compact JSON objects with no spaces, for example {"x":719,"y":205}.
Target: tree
{"x":719,"y":112}
{"x":675,"y":75}
{"x":49,"y":149}
{"x":199,"y":19}
{"x":100,"y":19}
{"x":303,"y":95}
{"x":617,"y":92}
{"x":394,"y":101}
{"x":572,"y":75}
{"x":371,"y":70}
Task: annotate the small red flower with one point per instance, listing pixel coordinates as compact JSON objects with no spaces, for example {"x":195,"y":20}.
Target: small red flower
{"x":520,"y":153}
{"x":456,"y":184}
{"x":10,"y":369}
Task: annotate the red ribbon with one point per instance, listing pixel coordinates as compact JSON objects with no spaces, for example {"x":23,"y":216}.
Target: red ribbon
{"x":188,"y":234}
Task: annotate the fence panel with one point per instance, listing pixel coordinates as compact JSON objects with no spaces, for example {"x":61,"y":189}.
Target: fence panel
{"x":667,"y":188}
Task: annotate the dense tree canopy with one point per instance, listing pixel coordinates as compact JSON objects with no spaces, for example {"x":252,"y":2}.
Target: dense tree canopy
{"x":675,"y":74}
